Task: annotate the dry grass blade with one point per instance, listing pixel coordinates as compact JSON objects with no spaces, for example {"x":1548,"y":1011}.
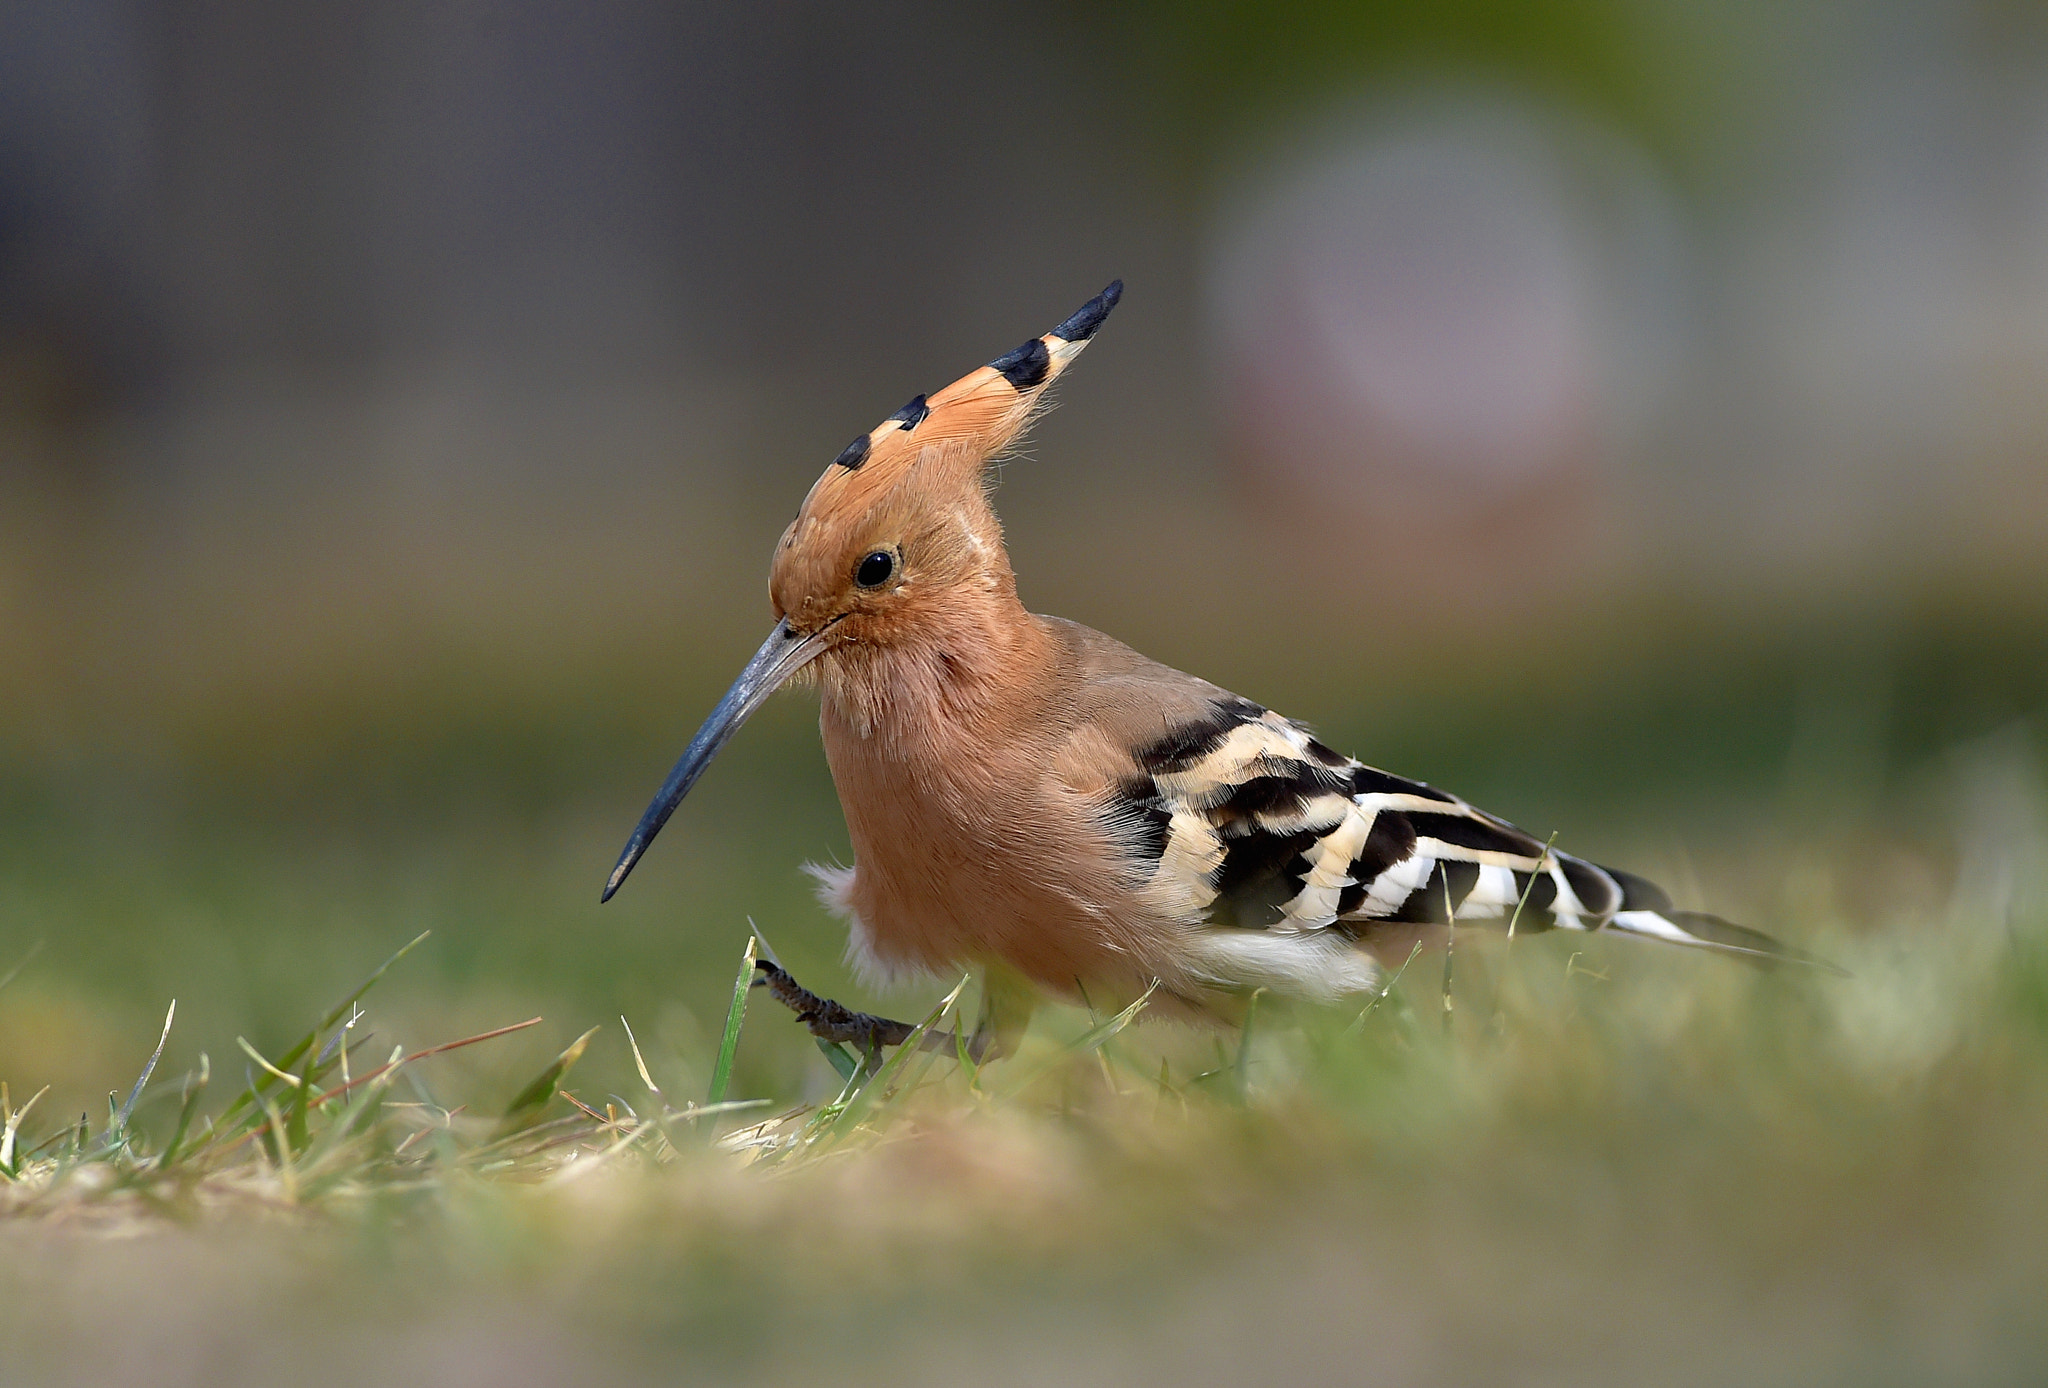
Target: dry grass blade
{"x":9,"y":1134}
{"x":273,"y":1071}
{"x":592,"y":1161}
{"x":640,"y":1061}
{"x":368,"y":1077}
{"x":442,"y":1049}
{"x":1543,"y":863}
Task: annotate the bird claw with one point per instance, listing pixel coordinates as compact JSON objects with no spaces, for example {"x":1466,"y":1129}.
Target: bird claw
{"x":834,"y":1021}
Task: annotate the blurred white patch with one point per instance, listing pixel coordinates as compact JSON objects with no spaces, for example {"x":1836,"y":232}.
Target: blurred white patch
{"x":1461,"y":295}
{"x":835,"y":894}
{"x":1320,"y":965}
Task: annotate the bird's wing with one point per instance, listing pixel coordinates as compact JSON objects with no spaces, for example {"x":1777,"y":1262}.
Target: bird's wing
{"x":1235,"y":818}
{"x":1241,"y":819}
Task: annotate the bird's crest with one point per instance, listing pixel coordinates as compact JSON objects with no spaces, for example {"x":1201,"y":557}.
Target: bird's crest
{"x":960,"y":428}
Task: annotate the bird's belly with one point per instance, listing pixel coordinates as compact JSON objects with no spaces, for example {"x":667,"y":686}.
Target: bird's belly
{"x":952,"y":874}
{"x":933,"y":902}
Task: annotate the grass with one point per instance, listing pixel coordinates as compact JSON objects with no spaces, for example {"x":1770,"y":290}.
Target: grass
{"x":1609,"y":1163}
{"x":1603,"y":1162}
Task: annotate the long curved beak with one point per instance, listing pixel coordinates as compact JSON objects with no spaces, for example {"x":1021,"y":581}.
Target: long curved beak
{"x":781,"y":655}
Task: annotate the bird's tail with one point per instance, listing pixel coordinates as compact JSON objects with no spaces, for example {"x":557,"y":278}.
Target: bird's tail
{"x":1646,"y":911}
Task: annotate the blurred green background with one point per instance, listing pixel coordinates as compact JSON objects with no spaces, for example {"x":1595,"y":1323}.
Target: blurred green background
{"x":1625,"y":413}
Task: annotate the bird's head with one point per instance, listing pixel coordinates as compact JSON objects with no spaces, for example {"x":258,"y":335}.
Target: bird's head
{"x":896,"y":531}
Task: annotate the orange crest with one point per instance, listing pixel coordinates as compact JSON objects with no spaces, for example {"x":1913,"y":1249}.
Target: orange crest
{"x":908,"y":492}
{"x":970,"y":421}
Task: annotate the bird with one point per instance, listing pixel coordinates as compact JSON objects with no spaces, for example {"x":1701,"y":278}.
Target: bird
{"x":1033,"y":799}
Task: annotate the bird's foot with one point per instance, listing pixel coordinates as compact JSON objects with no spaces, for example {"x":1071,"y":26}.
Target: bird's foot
{"x":834,"y":1021}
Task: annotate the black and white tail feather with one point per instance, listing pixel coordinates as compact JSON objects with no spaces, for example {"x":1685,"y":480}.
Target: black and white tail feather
{"x":1287,"y":854}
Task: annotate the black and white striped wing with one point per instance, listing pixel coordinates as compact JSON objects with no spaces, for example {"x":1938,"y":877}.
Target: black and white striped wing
{"x":1243,"y":820}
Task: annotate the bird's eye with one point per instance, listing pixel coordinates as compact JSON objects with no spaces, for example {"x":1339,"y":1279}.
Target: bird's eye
{"x":874,"y":570}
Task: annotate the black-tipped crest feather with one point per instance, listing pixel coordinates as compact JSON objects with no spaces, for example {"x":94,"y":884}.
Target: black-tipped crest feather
{"x":1026,"y":365}
{"x":1087,"y":318}
{"x":854,"y":454}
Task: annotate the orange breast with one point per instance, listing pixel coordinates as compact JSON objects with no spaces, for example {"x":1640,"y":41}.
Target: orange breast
{"x":967,"y":855}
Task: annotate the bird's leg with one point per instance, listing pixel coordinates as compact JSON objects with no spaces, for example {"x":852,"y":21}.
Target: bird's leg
{"x":834,"y":1021}
{"x":829,"y":1020}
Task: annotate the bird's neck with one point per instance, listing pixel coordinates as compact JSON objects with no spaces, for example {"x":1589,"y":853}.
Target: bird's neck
{"x":966,"y":670}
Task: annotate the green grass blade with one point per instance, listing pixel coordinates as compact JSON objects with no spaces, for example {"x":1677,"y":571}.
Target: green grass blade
{"x":840,"y":1058}
{"x":311,"y":1039}
{"x":142,"y":1080}
{"x":1450,"y":951}
{"x":823,"y":1118}
{"x":849,"y":1117}
{"x":194,"y":1087}
{"x":735,"y":1017}
{"x":1244,"y":1047}
{"x":273,"y":1128}
{"x":525,"y":1108}
{"x":818,"y":1122}
{"x":1358,"y":1022}
{"x":356,"y":1114}
{"x":928,"y":1056}
{"x":968,"y":1065}
{"x":1083,"y":1045}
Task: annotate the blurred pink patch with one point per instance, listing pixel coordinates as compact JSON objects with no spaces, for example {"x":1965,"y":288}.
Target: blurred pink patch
{"x":1437,"y":323}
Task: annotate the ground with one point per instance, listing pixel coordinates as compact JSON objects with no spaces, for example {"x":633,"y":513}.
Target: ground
{"x":1607,"y":1162}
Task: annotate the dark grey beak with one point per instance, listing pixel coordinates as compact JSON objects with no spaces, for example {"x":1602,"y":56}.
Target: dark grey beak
{"x":781,"y":655}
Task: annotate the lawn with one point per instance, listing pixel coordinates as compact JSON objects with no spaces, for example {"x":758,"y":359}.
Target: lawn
{"x":1589,"y":1160}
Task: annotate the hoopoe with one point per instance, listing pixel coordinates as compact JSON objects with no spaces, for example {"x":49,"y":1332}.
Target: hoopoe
{"x":1033,"y":798}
